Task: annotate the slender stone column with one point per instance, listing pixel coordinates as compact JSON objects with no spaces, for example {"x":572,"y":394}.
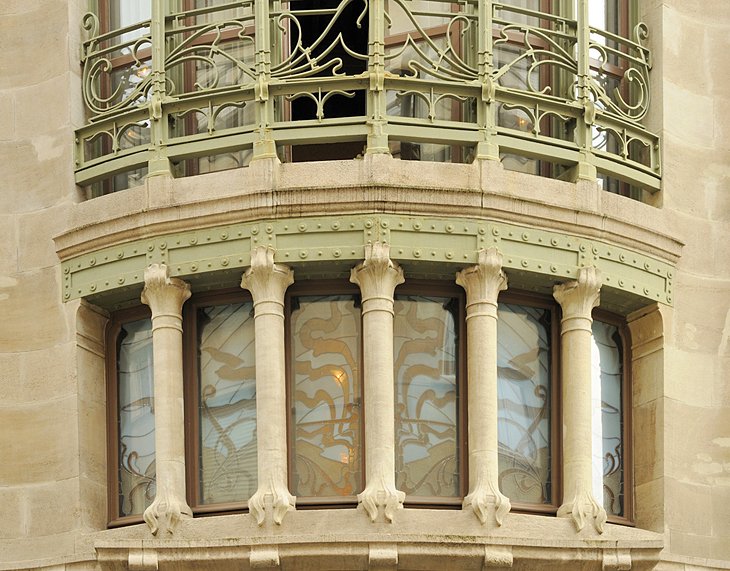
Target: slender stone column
{"x":483,"y":283}
{"x":267,"y":283}
{"x":578,"y":298}
{"x":377,"y":277}
{"x":165,"y":296}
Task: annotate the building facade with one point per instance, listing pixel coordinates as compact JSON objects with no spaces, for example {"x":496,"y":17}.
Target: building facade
{"x":364,"y":285}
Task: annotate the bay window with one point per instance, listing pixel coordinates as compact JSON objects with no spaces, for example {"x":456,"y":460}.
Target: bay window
{"x":325,"y":396}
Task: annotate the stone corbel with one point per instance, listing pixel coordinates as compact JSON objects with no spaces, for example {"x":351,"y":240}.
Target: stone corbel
{"x":267,"y":283}
{"x":577,"y":299}
{"x":483,"y":283}
{"x":617,"y":560}
{"x":382,"y":556}
{"x":264,"y":557}
{"x":165,"y":297}
{"x":377,"y":277}
{"x":497,"y":556}
{"x":142,"y":560}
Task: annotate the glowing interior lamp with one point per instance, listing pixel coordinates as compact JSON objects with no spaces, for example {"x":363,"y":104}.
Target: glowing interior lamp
{"x":339,"y":376}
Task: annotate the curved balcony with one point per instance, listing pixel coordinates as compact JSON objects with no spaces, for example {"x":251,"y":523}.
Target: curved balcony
{"x":211,"y":87}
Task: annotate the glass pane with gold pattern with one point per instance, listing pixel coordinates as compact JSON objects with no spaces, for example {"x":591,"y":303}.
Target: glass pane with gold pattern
{"x":326,"y":396}
{"x":426,"y":396}
{"x":523,"y":365}
{"x":607,"y":365}
{"x":227,"y":393}
{"x":136,"y":417}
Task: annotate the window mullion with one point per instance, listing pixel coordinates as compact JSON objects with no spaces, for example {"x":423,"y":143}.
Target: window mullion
{"x":483,"y":283}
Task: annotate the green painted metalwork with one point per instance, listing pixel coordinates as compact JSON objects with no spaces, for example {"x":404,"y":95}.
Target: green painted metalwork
{"x":490,"y":77}
{"x":423,"y":245}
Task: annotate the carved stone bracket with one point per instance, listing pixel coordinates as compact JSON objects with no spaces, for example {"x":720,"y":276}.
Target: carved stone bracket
{"x":577,"y":299}
{"x":142,"y":560}
{"x":483,"y":283}
{"x":617,"y":560}
{"x":165,"y":296}
{"x":264,"y":557}
{"x":497,"y":557}
{"x":377,"y":277}
{"x":382,"y":556}
{"x":267,"y":283}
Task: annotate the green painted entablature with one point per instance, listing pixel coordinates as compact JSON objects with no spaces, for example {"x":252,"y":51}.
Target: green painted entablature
{"x":424,"y":246}
{"x":443,"y":81}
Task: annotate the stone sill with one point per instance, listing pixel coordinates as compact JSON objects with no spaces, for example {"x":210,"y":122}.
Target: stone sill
{"x":377,"y":183}
{"x":346,"y":540}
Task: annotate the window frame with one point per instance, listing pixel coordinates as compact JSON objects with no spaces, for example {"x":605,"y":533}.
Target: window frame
{"x":192,"y":399}
{"x":414,"y":287}
{"x":111,"y":336}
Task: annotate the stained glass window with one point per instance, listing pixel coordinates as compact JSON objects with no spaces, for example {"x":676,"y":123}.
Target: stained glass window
{"x":136,"y":417}
{"x":523,"y":365}
{"x":227,"y":403}
{"x":427,"y":431}
{"x":325,"y":381}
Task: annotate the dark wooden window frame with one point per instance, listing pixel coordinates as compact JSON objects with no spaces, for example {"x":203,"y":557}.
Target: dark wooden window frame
{"x":113,"y":328}
{"x":341,"y":287}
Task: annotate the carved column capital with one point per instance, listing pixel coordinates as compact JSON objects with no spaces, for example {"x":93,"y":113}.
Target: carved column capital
{"x":483,"y":282}
{"x":164,"y":295}
{"x":377,"y":276}
{"x":267,"y":283}
{"x":578,"y":298}
{"x":266,"y":280}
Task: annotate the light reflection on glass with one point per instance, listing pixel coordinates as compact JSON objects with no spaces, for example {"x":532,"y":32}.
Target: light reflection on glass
{"x":608,"y":465}
{"x":426,"y":396}
{"x":227,"y":385}
{"x":136,"y":417}
{"x":523,"y":365}
{"x":326,"y":443}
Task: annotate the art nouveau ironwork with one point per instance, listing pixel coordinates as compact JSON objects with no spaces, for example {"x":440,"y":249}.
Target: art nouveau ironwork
{"x":437,"y":80}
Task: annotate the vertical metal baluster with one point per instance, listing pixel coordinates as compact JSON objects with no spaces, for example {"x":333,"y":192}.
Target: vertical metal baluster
{"x":377,"y":141}
{"x":586,"y":168}
{"x":158,"y":162}
{"x":487,"y":148}
{"x":264,"y":146}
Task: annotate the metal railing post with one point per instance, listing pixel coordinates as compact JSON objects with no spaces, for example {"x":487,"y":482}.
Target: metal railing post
{"x":487,"y":148}
{"x":377,"y":141}
{"x":158,"y":163}
{"x":264,"y":147}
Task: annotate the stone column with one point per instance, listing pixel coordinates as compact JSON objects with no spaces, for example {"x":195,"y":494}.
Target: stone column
{"x":483,"y":283}
{"x":267,"y":283}
{"x":165,"y":296}
{"x":377,"y":277}
{"x":577,"y":299}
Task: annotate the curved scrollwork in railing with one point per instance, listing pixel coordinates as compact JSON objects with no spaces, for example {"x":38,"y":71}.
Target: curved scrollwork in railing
{"x":476,"y":79}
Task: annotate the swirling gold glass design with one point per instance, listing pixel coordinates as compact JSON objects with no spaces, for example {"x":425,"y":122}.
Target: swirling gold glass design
{"x":427,"y":430}
{"x":227,"y":403}
{"x":326,"y":434}
{"x":608,"y":349}
{"x":523,"y":364}
{"x":136,"y":417}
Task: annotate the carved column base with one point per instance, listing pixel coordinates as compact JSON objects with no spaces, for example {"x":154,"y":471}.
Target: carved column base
{"x":584,"y":507}
{"x":272,"y":499}
{"x":488,"y":502}
{"x":166,"y":512}
{"x":384,"y":497}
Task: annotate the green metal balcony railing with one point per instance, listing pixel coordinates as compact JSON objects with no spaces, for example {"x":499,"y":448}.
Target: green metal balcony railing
{"x":437,"y":80}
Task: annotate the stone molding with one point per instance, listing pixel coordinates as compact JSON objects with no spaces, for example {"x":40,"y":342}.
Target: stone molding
{"x":577,"y":299}
{"x":483,"y":283}
{"x":267,"y":283}
{"x":165,"y":297}
{"x":377,"y":276}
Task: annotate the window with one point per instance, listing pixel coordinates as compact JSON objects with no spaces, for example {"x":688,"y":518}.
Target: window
{"x":323,"y":324}
{"x":131,"y":416}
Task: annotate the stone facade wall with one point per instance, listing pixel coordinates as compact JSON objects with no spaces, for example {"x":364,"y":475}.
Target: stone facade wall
{"x":52,"y":394}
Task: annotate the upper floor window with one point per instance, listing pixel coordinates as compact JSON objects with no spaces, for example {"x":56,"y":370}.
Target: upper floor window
{"x":324,"y":345}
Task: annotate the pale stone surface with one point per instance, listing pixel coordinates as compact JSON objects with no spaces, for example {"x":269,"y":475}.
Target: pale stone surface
{"x":267,"y":283}
{"x":483,"y":283}
{"x":577,"y":299}
{"x":378,"y":277}
{"x":165,"y":296}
